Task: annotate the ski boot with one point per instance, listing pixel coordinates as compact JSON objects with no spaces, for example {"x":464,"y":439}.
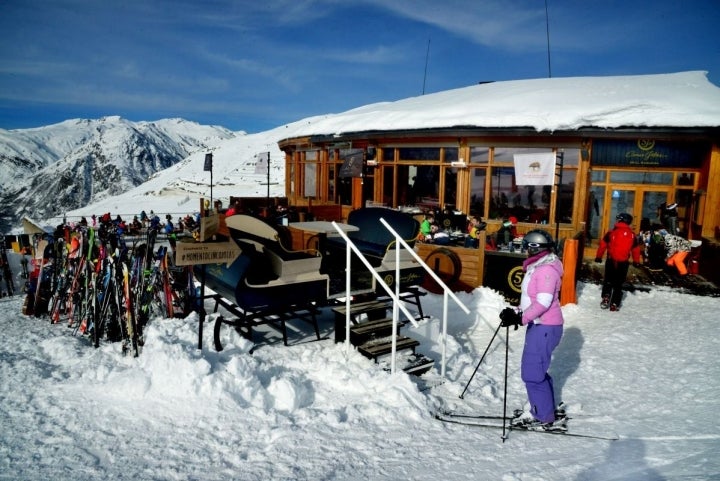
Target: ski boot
{"x":521,"y":418}
{"x":560,"y":412}
{"x":532,"y":424}
{"x":605,"y":303}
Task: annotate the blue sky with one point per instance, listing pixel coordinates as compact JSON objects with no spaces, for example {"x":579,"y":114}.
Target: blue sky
{"x":255,"y":65}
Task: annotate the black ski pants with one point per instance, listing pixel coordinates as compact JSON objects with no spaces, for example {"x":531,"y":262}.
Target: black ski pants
{"x":615,"y":275}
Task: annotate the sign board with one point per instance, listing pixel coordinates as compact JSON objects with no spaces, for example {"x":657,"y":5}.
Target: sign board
{"x":648,"y":153}
{"x":209,"y":225}
{"x":504,"y":272}
{"x":352,"y":164}
{"x":188,"y":253}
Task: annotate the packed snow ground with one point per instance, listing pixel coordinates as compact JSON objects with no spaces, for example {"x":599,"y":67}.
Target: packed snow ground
{"x":309,"y":411}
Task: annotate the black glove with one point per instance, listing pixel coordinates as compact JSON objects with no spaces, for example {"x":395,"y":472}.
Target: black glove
{"x":598,"y":260}
{"x":509,"y":317}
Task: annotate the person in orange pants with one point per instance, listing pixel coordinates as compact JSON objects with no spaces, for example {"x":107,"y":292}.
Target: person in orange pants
{"x":677,"y":260}
{"x":677,"y":249}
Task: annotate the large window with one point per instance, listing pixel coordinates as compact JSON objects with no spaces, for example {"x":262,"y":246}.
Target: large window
{"x":450,"y":201}
{"x":413,"y":176}
{"x":450,"y":154}
{"x":646,"y":178}
{"x":529,"y":203}
{"x":477,"y":192}
{"x":684,"y":194}
{"x":350,"y":163}
{"x":310,"y":173}
{"x":479,"y":155}
{"x":595,"y":208}
{"x":428,"y":178}
{"x":419,"y":153}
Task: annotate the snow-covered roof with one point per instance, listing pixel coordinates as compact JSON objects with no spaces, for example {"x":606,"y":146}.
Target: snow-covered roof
{"x":676,"y":100}
{"x":31,"y":226}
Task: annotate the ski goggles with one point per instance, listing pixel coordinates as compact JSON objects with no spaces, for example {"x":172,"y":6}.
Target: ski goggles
{"x":536,"y":245}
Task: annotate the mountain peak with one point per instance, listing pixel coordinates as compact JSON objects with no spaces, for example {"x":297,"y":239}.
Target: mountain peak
{"x":61,"y":167}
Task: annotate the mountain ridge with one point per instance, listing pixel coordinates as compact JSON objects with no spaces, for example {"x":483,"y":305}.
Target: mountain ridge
{"x":53,"y":169}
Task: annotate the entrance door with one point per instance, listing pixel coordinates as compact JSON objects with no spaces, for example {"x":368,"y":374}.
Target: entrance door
{"x":642,"y":203}
{"x":620,"y":201}
{"x":650,"y":208}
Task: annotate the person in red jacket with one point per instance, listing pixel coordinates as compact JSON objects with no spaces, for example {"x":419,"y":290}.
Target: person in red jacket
{"x":621,"y":243}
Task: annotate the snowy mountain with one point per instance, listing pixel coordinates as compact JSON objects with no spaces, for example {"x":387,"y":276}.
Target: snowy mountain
{"x":178,"y":189}
{"x":50,"y":170}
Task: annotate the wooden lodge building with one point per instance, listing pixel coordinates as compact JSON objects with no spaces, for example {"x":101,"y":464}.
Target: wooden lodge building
{"x":619,"y":144}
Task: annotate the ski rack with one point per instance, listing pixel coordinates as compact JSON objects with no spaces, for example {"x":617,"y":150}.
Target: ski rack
{"x":395,"y":296}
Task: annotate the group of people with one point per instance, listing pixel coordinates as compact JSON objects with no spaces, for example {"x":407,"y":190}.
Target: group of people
{"x":657,"y":247}
{"x":663,"y":248}
{"x":142,"y":222}
{"x":507,"y":233}
{"x":431,"y":232}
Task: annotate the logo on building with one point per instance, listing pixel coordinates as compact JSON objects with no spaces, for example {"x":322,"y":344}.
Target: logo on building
{"x":646,"y":144}
{"x":515,"y":277}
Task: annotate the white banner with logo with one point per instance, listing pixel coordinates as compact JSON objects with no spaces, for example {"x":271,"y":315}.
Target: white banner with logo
{"x":262,"y":164}
{"x":535,"y":169}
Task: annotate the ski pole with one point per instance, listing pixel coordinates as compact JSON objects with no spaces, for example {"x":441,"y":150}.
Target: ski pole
{"x":481,"y":360}
{"x":507,"y":337}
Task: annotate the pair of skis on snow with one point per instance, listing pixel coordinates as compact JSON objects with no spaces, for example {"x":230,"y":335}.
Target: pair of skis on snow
{"x":506,"y":424}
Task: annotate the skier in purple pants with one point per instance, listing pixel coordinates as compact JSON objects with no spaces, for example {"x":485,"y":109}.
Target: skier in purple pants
{"x":540,"y":312}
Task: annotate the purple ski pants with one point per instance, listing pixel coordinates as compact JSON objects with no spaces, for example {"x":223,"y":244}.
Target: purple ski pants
{"x":540,"y":341}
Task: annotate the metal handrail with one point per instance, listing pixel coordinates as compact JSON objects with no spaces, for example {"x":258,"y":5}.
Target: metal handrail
{"x":397,"y":306}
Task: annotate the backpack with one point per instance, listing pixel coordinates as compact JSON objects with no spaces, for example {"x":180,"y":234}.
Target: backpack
{"x":656,"y":251}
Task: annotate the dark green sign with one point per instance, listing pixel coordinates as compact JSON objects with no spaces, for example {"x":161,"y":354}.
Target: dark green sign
{"x":648,"y":153}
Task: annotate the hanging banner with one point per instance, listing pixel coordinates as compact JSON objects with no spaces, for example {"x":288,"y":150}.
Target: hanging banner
{"x":535,"y":169}
{"x":352,"y":164}
{"x":263,"y":163}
